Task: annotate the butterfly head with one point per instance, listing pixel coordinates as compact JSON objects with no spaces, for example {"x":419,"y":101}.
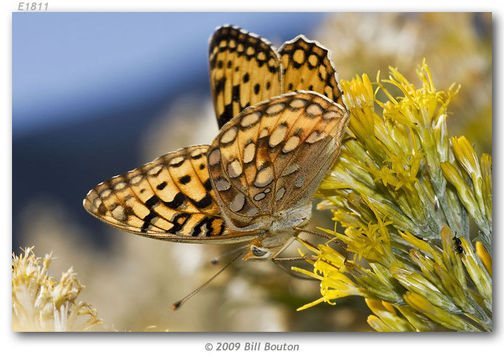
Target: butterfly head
{"x":257,"y":252}
{"x":268,"y":245}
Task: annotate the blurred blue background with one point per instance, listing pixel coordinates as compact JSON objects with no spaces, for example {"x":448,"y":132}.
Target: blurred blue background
{"x":85,"y":86}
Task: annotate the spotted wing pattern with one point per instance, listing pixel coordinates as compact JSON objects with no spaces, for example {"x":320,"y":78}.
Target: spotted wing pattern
{"x":267,"y":160}
{"x":272,"y":156}
{"x":170,"y":198}
{"x":306,"y":65}
{"x":244,"y":70}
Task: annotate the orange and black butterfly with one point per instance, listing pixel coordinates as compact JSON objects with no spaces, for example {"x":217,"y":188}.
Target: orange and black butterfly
{"x":281,"y":119}
{"x":246,"y":69}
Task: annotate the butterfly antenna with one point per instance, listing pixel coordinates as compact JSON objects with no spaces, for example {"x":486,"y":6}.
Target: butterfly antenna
{"x":217,"y":259}
{"x":179,"y":303}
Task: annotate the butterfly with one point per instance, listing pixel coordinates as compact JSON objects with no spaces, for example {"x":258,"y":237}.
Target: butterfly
{"x":246,"y":69}
{"x":281,"y":119}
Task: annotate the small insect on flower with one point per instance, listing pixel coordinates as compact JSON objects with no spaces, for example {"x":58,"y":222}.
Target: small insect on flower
{"x":458,"y":245}
{"x":282,"y":120}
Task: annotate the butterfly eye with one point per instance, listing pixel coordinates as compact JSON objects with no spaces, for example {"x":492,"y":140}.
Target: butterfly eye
{"x":259,"y":252}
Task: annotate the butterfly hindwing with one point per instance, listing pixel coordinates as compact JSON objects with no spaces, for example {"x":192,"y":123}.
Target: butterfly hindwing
{"x":272,"y":156}
{"x":170,"y":198}
{"x":306,"y":65}
{"x":244,"y":70}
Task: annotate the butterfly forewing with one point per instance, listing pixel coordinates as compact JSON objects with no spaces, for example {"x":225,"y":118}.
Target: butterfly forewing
{"x":306,"y":66}
{"x":244,"y":70}
{"x":169,"y":198}
{"x":272,"y":156}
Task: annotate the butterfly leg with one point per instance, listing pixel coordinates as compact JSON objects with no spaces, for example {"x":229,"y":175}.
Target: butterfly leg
{"x":283,"y":263}
{"x":286,"y":259}
{"x":318,"y":234}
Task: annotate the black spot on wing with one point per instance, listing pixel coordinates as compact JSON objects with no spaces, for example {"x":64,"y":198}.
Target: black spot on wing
{"x":147,"y":221}
{"x":226,"y":115}
{"x":153,"y":200}
{"x":219,"y":85}
{"x":161,"y":186}
{"x":208,"y":185}
{"x":178,"y":223}
{"x":207,"y":222}
{"x":176,"y":165}
{"x":222,"y":229}
{"x":185,"y":179}
{"x":176,"y":202}
{"x":236,"y":93}
{"x":203,"y":203}
{"x":257,"y":87}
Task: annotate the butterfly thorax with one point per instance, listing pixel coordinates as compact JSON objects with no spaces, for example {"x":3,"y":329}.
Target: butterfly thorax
{"x":279,"y":233}
{"x":288,"y":219}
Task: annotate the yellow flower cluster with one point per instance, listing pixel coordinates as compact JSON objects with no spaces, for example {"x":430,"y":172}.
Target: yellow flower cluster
{"x":416,"y":209}
{"x":41,"y":303}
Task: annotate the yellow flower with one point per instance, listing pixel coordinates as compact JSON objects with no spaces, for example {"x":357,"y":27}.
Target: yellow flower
{"x":484,"y":256}
{"x":436,"y":314}
{"x":386,"y":318}
{"x":407,"y":196}
{"x":41,"y":303}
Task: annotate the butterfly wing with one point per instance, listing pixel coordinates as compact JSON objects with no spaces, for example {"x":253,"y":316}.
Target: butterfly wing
{"x":306,"y":65}
{"x":170,"y":198}
{"x":244,"y":70}
{"x":272,"y":156}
